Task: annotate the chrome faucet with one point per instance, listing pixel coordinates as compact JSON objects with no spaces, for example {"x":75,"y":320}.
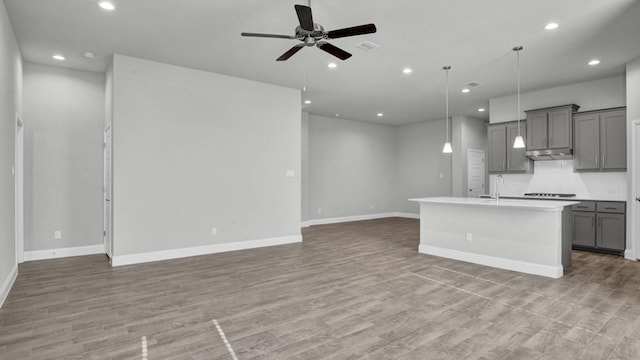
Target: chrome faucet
{"x":499,"y":180}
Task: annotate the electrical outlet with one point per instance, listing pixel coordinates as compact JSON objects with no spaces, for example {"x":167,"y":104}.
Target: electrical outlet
{"x":469,"y":237}
{"x":57,"y":235}
{"x":371,"y":207}
{"x":214,"y":231}
{"x":319,"y":211}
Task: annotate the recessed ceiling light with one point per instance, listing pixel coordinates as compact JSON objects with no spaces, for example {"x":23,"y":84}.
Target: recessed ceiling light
{"x":481,"y":109}
{"x":594,"y":62}
{"x":307,"y":101}
{"x":380,"y":114}
{"x":407,"y":71}
{"x":465,"y":90}
{"x":107,"y":5}
{"x":332,"y":65}
{"x":337,"y":115}
{"x":551,"y":26}
{"x":89,"y":54}
{"x":58,"y":57}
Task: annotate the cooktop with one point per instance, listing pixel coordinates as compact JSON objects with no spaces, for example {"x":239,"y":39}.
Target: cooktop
{"x":558,"y":195}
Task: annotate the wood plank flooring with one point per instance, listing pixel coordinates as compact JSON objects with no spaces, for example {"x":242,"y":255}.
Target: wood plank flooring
{"x":355,"y":290}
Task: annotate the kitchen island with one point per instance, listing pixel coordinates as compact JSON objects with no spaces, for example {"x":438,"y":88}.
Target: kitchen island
{"x":528,"y":236}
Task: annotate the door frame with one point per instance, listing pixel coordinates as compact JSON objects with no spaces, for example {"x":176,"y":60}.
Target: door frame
{"x":18,"y":179}
{"x":633,"y":221}
{"x":107,"y":219}
{"x":484,"y":166}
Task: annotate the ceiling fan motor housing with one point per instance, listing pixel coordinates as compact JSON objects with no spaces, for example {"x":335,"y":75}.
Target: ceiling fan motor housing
{"x":310,"y":38}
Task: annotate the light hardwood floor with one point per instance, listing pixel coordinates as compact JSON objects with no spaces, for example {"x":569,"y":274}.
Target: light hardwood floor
{"x":356,"y":290}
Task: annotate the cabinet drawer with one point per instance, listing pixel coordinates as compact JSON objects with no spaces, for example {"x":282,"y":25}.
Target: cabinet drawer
{"x":584,"y":206}
{"x":611,"y":207}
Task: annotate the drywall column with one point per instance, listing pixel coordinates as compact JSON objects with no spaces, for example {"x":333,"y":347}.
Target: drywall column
{"x":10,"y":106}
{"x":202,"y":162}
{"x":633,"y":113}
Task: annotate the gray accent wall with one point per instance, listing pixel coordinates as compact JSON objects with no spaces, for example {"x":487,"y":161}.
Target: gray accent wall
{"x":64,"y":110}
{"x":468,"y":133}
{"x":351,"y":168}
{"x":194,"y":150}
{"x":10,"y":103}
{"x":422,"y":170}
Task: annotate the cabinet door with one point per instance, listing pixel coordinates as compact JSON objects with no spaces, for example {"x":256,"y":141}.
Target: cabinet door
{"x":613,"y":134}
{"x":559,"y":123}
{"x":584,"y":228}
{"x":516,"y":159}
{"x":497,"y":148}
{"x":537,"y":130}
{"x":611,"y":231}
{"x":587,"y":142}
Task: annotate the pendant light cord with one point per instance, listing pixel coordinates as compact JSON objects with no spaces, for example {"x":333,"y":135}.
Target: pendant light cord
{"x":446,"y":97}
{"x":517,"y":49}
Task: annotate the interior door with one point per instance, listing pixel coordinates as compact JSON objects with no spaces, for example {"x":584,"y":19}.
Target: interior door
{"x":107,"y":192}
{"x":475,"y":173}
{"x":635,"y":208}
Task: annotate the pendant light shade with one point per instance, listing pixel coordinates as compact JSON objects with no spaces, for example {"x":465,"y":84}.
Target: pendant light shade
{"x":447,"y":145}
{"x":447,"y":148}
{"x":519,"y":141}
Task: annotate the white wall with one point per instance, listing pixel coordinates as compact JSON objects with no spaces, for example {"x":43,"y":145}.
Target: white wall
{"x":422,"y":170}
{"x":193,"y":150}
{"x":10,"y":105}
{"x":558,"y":176}
{"x":633,"y":90}
{"x":590,"y":95}
{"x":351,"y":168}
{"x":304,"y":176}
{"x":64,"y":110}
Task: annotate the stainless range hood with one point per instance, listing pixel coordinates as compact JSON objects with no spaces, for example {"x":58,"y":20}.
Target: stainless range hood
{"x":550,"y":154}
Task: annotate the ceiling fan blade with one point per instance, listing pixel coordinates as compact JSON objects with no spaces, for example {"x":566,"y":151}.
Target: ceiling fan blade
{"x":268,"y":35}
{"x":290,"y":52}
{"x":352,"y":31}
{"x":334,"y":50}
{"x":305,"y":17}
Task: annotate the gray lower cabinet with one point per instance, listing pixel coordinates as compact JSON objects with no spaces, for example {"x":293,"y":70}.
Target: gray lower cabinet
{"x":600,"y":139}
{"x":599,"y":226}
{"x":503,"y":158}
{"x":584,"y":228}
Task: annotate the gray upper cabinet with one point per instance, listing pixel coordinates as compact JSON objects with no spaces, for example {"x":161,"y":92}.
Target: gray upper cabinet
{"x":601,"y":140}
{"x":503,"y":158}
{"x":497,"y":137}
{"x":537,"y":130}
{"x":550,"y":128}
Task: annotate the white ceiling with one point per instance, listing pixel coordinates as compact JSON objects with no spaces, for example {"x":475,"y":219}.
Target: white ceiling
{"x":474,"y":37}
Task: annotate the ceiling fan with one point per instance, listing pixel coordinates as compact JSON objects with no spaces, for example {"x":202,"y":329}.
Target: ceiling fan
{"x":310,"y":34}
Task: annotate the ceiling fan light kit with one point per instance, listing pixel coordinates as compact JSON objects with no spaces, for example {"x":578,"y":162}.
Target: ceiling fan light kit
{"x":313,"y":34}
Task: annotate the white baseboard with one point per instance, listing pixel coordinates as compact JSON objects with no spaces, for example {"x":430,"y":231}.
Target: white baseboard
{"x":628,"y":254}
{"x":201,"y":250}
{"x":337,"y":220}
{"x":63,"y":252}
{"x":8,"y":283}
{"x":507,"y":264}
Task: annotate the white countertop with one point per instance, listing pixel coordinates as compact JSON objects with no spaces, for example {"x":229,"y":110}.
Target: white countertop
{"x":504,"y":203}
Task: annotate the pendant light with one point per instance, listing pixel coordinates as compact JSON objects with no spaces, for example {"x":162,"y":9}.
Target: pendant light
{"x":519,"y":141}
{"x":447,"y":145}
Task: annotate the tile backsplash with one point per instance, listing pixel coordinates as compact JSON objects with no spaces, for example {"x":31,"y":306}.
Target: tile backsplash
{"x":557,"y":176}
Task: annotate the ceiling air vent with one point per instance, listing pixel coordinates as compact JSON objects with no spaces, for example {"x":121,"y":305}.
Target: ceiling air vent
{"x":367,"y":45}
